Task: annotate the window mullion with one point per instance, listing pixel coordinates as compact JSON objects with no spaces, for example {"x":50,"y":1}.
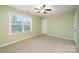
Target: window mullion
{"x":22,"y":26}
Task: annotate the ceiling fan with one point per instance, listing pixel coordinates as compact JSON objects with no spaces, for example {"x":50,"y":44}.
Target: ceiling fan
{"x":43,"y":8}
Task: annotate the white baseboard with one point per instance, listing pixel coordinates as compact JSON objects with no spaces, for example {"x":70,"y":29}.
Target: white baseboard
{"x":77,"y":46}
{"x":30,"y":37}
{"x":60,"y":37}
{"x":18,"y":40}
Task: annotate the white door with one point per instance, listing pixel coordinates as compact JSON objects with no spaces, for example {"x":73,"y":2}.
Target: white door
{"x":76,"y":29}
{"x":75,"y":26}
{"x":44,"y":26}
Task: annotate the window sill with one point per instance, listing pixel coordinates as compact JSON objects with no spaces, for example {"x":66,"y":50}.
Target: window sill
{"x":18,"y":33}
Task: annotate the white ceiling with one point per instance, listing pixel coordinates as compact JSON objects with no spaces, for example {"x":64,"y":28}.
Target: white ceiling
{"x":56,"y":9}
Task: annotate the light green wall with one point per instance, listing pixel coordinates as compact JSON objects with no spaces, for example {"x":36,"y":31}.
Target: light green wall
{"x":61,"y":25}
{"x":4,"y":26}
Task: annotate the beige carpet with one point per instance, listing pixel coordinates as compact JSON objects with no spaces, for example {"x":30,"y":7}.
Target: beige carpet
{"x":41,"y":44}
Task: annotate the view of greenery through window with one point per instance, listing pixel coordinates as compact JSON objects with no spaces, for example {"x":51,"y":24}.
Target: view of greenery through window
{"x":20,"y":24}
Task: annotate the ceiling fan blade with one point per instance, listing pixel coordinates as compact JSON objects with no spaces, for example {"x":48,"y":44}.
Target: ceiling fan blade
{"x":38,"y":12}
{"x":37,"y":8}
{"x":43,"y":7}
{"x":48,"y":9}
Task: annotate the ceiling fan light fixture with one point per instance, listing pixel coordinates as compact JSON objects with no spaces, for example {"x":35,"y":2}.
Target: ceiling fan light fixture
{"x":44,"y":12}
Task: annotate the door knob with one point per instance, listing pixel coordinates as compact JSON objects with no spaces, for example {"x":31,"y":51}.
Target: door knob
{"x":74,"y":29}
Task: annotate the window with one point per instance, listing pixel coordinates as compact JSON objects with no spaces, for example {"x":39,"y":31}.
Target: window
{"x":20,"y":24}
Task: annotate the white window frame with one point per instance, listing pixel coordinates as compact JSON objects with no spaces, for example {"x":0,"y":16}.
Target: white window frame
{"x":10,"y":16}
